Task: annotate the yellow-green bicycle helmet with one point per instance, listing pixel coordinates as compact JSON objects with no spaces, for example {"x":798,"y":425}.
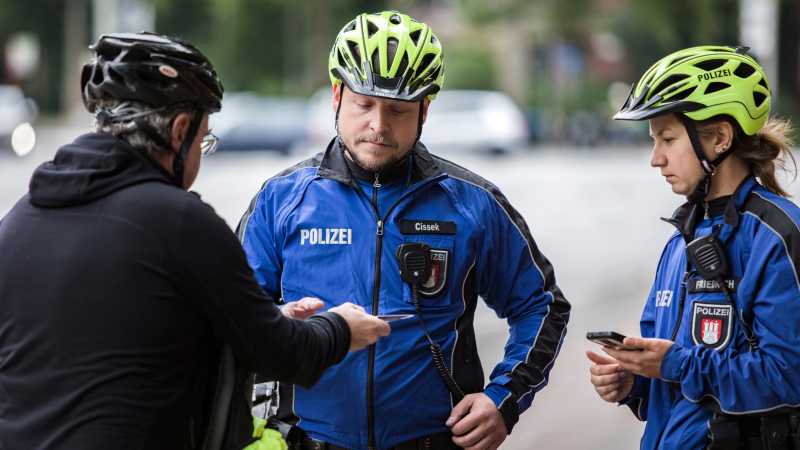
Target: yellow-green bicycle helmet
{"x":388,"y":54}
{"x":703,"y":82}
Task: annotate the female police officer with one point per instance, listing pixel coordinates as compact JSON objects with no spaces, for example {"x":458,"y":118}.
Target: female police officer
{"x":717,"y":364}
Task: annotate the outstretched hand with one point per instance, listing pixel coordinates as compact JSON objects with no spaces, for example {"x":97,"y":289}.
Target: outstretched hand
{"x":303,"y":308}
{"x":365,"y":329}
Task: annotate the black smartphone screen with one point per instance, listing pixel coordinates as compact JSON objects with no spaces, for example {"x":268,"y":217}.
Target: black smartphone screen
{"x":609,"y":339}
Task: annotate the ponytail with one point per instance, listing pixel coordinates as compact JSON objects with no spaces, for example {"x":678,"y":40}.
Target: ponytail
{"x":764,"y":152}
{"x":768,"y":150}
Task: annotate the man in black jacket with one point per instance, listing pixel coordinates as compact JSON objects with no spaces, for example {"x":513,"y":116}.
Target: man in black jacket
{"x":118,"y":288}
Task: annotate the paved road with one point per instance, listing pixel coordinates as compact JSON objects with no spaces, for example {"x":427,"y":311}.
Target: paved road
{"x":593,"y":212}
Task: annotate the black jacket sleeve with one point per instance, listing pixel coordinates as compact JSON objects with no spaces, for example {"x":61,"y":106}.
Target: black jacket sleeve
{"x":213,"y":273}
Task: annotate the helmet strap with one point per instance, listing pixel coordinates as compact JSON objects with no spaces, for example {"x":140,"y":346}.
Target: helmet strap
{"x":180,"y":159}
{"x":691,"y":130}
{"x":701,"y":190}
{"x":419,"y":121}
{"x":709,"y":167}
{"x":338,"y":108}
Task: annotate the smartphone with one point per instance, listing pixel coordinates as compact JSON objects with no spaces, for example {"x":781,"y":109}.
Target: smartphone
{"x":393,"y":317}
{"x":609,"y":339}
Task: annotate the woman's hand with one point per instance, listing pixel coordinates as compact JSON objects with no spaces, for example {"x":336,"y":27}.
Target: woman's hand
{"x":612,"y":382}
{"x":646,"y":360}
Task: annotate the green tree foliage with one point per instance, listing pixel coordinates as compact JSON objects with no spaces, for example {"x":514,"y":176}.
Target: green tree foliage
{"x":653,"y":28}
{"x":468,"y":67}
{"x":277,"y":47}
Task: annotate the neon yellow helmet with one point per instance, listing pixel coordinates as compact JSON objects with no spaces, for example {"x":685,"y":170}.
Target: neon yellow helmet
{"x":703,"y":82}
{"x":388,"y":54}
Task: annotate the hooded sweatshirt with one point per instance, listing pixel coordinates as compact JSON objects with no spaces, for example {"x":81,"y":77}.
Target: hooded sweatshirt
{"x":117,"y":290}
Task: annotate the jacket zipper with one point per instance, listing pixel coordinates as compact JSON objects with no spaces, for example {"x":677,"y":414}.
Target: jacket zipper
{"x":681,"y":301}
{"x":376,"y":288}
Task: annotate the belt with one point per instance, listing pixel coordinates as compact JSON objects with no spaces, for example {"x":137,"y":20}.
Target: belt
{"x":439,"y":441}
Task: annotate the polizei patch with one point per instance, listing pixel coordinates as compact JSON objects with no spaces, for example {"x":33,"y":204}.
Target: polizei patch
{"x":326,"y":236}
{"x":435,"y":283}
{"x":711,"y":324}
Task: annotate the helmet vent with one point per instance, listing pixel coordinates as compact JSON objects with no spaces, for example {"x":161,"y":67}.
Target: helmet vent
{"x":391,"y":50}
{"x":371,"y":28}
{"x":716,"y":86}
{"x":426,"y":61}
{"x":759,"y":98}
{"x":375,"y":61}
{"x":710,"y":64}
{"x":355,"y":52}
{"x":117,"y":78}
{"x":340,"y":57}
{"x":763,"y":82}
{"x":414,"y":35}
{"x":435,"y":73}
{"x":97,"y":76}
{"x":109,"y":53}
{"x":682,"y":94}
{"x":395,"y":19}
{"x":401,"y":69}
{"x":350,"y":26}
{"x":677,"y":60}
{"x":669,"y":81}
{"x":744,"y":70}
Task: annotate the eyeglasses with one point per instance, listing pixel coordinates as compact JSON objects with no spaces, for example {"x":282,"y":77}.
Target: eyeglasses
{"x":209,"y":144}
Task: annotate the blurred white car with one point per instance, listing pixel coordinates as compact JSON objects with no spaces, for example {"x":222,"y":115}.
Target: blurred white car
{"x":17,"y":114}
{"x":483,"y":121}
{"x":458,"y":120}
{"x":253,"y":122}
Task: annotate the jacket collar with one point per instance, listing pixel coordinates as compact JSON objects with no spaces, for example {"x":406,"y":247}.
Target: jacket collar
{"x":688,"y":215}
{"x":334,"y":164}
{"x":93,"y":166}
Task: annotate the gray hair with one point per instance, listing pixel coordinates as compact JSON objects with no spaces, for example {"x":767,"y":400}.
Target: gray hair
{"x":122,"y":123}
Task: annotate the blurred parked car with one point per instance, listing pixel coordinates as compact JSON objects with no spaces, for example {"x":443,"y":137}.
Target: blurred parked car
{"x":17,"y":114}
{"x":482,"y":121}
{"x":458,"y":120}
{"x":253,"y":122}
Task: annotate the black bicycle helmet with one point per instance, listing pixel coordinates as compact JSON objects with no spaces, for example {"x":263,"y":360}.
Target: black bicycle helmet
{"x":150,"y":68}
{"x":156,"y":70}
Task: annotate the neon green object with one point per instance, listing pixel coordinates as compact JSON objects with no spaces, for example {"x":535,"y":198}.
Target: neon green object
{"x":388,"y":54}
{"x":703,"y":82}
{"x":268,"y":439}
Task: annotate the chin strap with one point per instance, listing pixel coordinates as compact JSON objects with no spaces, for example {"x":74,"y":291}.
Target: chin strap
{"x":419,"y":121}
{"x":180,"y":158}
{"x":338,"y":108}
{"x":709,"y":167}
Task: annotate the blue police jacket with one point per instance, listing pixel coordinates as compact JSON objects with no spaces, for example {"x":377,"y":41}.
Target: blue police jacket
{"x":712,"y":366}
{"x":314,"y":230}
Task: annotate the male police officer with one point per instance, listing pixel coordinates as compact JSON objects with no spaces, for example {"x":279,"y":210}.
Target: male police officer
{"x":344,"y":225}
{"x":117,"y":286}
